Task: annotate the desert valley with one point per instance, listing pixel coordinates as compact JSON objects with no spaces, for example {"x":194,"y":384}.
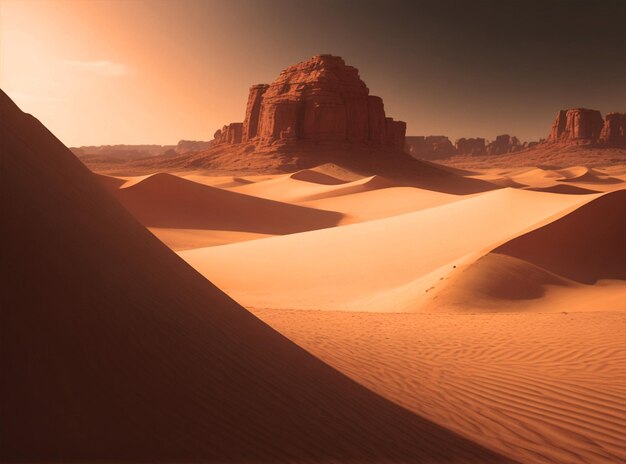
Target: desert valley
{"x":316,"y":284}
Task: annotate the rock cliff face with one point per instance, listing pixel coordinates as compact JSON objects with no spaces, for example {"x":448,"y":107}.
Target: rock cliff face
{"x":190,"y":146}
{"x":253,"y":110}
{"x":582,"y":126}
{"x":472,"y":146}
{"x":503,"y":144}
{"x":231,"y":133}
{"x":614,"y":130}
{"x":430,"y":147}
{"x":318,"y":100}
{"x":576,"y":125}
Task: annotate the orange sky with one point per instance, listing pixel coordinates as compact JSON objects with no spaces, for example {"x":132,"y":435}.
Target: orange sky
{"x":138,"y":71}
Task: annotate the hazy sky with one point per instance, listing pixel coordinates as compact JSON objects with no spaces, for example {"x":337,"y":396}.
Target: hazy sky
{"x":151,"y":71}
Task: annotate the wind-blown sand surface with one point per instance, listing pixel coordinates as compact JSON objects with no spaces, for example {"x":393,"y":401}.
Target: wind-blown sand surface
{"x":538,"y":387}
{"x":383,"y":265}
{"x":113,"y":349}
{"x":519,"y":339}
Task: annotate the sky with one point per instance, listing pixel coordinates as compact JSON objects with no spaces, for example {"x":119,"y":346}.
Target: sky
{"x":156,"y":71}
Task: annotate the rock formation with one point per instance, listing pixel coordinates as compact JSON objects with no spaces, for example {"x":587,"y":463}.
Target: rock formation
{"x":253,"y":111}
{"x":231,"y":133}
{"x":503,"y":144}
{"x":576,"y":125}
{"x":190,"y":146}
{"x":318,"y":100}
{"x":475,"y":146}
{"x":614,"y":130}
{"x":582,"y":126}
{"x":430,"y":147}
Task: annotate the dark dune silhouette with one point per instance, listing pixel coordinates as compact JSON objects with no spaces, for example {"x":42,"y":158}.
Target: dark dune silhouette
{"x":165,"y":200}
{"x":112,"y":348}
{"x":111,"y":183}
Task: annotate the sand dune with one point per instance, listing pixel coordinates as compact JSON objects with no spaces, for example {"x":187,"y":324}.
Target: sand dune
{"x":317,"y":177}
{"x":542,"y":388}
{"x":586,"y":245}
{"x":167,"y":201}
{"x":381,"y":203}
{"x":338,"y":172}
{"x":110,"y":182}
{"x":188,"y":239}
{"x":363,"y":185}
{"x":381,"y":265}
{"x":545,"y":269}
{"x":564,"y":189}
{"x":500,"y":277}
{"x":587,"y":175}
{"x":119,"y":351}
{"x":217,"y":181}
{"x":287,"y":188}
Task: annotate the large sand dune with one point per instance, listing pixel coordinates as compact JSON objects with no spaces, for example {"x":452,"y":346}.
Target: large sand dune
{"x":168,"y":201}
{"x":381,"y":203}
{"x":586,"y":245}
{"x":550,"y":268}
{"x":113,"y":349}
{"x":383,"y":265}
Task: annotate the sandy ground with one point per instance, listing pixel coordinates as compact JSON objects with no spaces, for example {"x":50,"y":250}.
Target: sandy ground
{"x":538,"y":387}
{"x":499,"y":315}
{"x":385,"y":265}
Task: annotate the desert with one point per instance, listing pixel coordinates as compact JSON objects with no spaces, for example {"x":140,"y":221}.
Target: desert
{"x":317,"y":281}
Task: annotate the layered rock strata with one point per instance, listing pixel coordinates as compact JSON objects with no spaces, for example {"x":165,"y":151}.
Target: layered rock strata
{"x":318,"y":100}
{"x":503,"y":144}
{"x":471,"y":146}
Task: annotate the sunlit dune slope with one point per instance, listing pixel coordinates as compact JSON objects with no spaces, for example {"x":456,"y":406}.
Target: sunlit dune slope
{"x":167,"y":201}
{"x":586,"y":175}
{"x":577,"y":262}
{"x":381,"y":203}
{"x":113,"y":349}
{"x":382,"y":265}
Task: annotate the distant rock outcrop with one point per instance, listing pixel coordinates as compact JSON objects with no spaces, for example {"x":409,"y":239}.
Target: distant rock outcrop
{"x":471,"y":146}
{"x":614,"y":130}
{"x":121,"y":151}
{"x":429,"y":147}
{"x":576,"y":125}
{"x":503,"y":144}
{"x":318,"y":100}
{"x":581,"y":126}
{"x":231,"y":133}
{"x":190,"y":146}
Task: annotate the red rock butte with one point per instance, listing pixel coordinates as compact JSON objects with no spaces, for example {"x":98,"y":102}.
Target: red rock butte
{"x":585,"y":126}
{"x":318,"y":100}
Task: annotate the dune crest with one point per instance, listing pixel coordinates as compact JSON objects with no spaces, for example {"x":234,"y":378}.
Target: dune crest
{"x":586,"y":245}
{"x":168,"y":201}
{"x":381,"y":265}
